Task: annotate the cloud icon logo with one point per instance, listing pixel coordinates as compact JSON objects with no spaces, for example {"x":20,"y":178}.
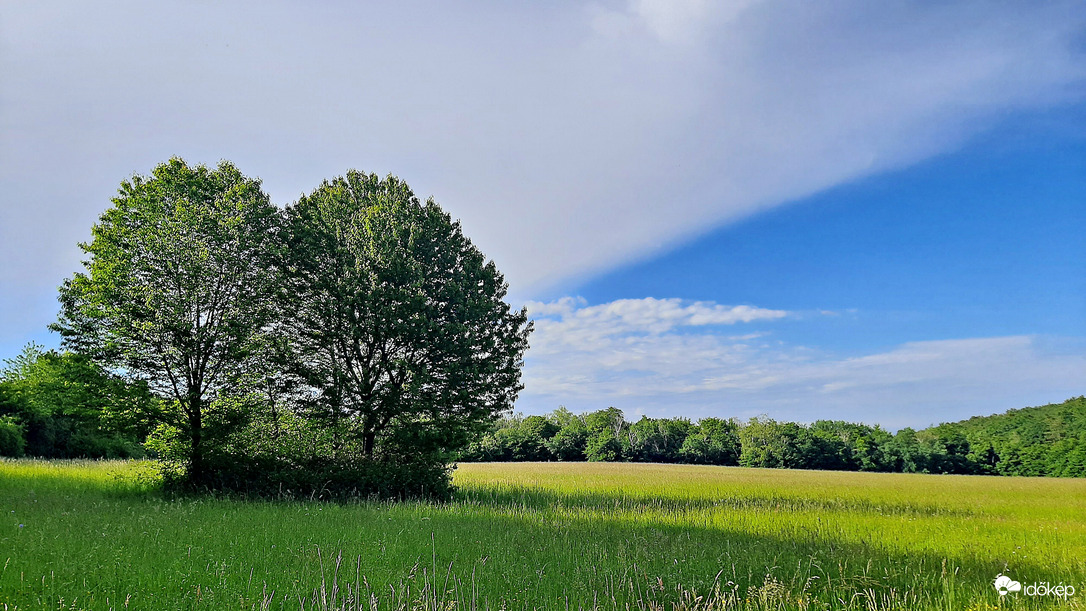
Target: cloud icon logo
{"x":1004,"y":584}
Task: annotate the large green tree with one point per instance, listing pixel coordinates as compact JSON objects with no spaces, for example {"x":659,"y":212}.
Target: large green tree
{"x":396,"y":322}
{"x":177,"y":291}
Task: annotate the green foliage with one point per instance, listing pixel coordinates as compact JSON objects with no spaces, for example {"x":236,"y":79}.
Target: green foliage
{"x":602,"y":446}
{"x":1049,"y":440}
{"x":607,"y":438}
{"x":285,"y":455}
{"x":714,"y":442}
{"x":571,"y":440}
{"x":395,"y":321}
{"x":540,"y":427}
{"x":657,"y":440}
{"x":12,"y":443}
{"x":610,"y":419}
{"x":177,"y":291}
{"x":768,"y":443}
{"x":356,"y":339}
{"x":67,"y":406}
{"x":1046,"y":440}
{"x":168,"y":443}
{"x":513,"y":439}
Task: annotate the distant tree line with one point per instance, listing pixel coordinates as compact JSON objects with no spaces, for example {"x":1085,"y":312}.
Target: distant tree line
{"x":1043,"y":441}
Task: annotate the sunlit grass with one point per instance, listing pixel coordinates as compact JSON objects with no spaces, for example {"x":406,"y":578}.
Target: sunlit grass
{"x":136,"y":477}
{"x":552,"y":536}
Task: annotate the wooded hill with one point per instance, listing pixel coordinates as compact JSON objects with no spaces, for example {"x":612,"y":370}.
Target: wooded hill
{"x":1045,"y":440}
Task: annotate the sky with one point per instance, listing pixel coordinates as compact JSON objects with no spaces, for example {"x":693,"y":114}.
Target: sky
{"x":843,"y":209}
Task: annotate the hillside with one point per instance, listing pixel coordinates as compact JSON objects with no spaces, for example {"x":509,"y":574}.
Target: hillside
{"x":1046,"y":440}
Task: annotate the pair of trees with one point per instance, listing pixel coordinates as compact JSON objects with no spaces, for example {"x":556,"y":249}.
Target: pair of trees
{"x":359,"y":314}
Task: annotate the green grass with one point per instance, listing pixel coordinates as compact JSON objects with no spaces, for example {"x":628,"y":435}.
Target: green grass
{"x":550,"y":536}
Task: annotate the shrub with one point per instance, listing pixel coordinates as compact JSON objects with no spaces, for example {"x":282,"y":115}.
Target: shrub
{"x":12,"y":443}
{"x":86,"y":444}
{"x":286,"y":456}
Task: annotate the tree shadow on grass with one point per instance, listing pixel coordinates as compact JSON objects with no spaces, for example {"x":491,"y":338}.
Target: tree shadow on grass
{"x":541,"y":498}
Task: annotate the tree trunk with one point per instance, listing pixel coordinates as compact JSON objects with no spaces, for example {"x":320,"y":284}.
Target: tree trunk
{"x":369,"y":439}
{"x":197,"y":474}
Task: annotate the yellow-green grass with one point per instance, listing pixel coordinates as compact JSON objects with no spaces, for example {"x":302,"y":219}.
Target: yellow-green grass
{"x":550,"y":536}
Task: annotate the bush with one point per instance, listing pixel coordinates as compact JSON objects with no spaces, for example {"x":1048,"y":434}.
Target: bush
{"x":12,"y":443}
{"x":318,"y":477}
{"x":86,"y":444}
{"x":287,"y":456}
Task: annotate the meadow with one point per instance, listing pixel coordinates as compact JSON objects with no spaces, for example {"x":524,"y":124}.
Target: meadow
{"x":100,"y":535}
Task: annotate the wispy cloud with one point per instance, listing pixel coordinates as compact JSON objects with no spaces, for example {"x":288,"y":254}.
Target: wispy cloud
{"x":666,"y":360}
{"x":570,"y":318}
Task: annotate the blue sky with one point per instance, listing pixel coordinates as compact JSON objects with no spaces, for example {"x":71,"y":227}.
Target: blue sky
{"x":982,"y":241}
{"x":867,"y":211}
{"x":973,"y":255}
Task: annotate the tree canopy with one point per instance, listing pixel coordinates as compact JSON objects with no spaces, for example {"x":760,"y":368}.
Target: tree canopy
{"x":178,"y":290}
{"x":63,"y":405}
{"x":395,"y":321}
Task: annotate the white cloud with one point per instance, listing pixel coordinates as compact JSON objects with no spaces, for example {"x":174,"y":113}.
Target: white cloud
{"x":570,"y":322}
{"x":670,"y":21}
{"x":660,"y":363}
{"x":631,"y":346}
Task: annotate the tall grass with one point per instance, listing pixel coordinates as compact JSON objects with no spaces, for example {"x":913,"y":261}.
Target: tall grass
{"x":548,"y":536}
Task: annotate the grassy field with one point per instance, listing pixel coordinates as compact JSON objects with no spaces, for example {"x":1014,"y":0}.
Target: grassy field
{"x":91,"y":535}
